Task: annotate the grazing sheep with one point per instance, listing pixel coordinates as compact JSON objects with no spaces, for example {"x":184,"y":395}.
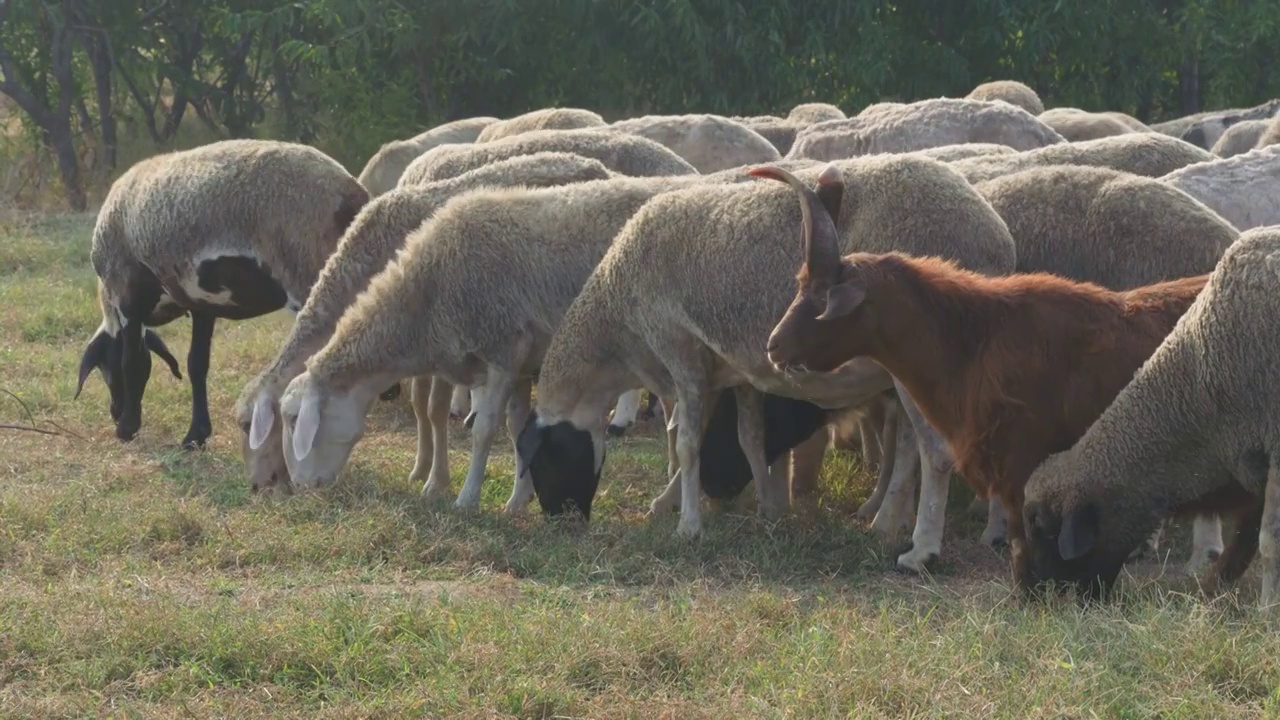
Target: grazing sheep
{"x":1007,"y":369}
{"x":544,"y":119}
{"x":708,"y":142}
{"x":384,"y":169}
{"x":1107,"y":227}
{"x":649,"y":316}
{"x":1197,"y":430}
{"x":1245,"y":189}
{"x":525,"y":253}
{"x":622,"y":153}
{"x":1206,"y":131}
{"x":364,"y":250}
{"x":1010,"y":91}
{"x":233,"y":229}
{"x":815,"y":112}
{"x":924,"y":124}
{"x":1075,"y":124}
{"x":1147,"y":154}
{"x":1240,"y":138}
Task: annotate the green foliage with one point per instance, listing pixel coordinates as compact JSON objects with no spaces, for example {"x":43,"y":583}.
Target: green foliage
{"x":349,"y":75}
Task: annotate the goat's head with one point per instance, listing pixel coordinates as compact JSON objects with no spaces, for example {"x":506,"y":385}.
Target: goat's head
{"x":321,"y":425}
{"x":1077,"y":533}
{"x":106,"y":352}
{"x":564,"y":463}
{"x":832,"y":291}
{"x":261,"y":441}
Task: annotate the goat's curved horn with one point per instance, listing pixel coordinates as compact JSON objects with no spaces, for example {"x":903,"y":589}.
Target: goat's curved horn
{"x":821,"y":241}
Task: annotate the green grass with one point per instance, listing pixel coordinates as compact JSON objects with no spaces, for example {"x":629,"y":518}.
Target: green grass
{"x":140,"y":580}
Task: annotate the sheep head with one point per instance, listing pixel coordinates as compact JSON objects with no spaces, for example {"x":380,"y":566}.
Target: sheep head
{"x":564,"y":463}
{"x":261,"y":441}
{"x":106,"y":353}
{"x":1077,"y":534}
{"x":831,"y":291}
{"x":321,"y":424}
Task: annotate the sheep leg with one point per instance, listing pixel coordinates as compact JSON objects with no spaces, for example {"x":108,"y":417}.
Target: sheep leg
{"x":624,"y":413}
{"x":895,"y":511}
{"x":670,"y":498}
{"x":690,"y":417}
{"x":869,"y":431}
{"x":1243,"y":545}
{"x":996,"y":534}
{"x":806,"y":464}
{"x":420,"y":400}
{"x":888,"y":444}
{"x":1269,"y":541}
{"x":771,"y":498}
{"x":1206,"y":543}
{"x":198,"y":372}
{"x":493,"y":402}
{"x":437,"y":410}
{"x":517,"y":413}
{"x":476,"y":394}
{"x":460,"y":402}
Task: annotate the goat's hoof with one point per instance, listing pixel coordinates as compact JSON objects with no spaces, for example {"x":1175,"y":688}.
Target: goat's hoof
{"x":615,"y":430}
{"x":916,"y":562}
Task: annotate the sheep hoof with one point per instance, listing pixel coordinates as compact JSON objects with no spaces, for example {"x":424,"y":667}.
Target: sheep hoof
{"x":916,"y":562}
{"x":662,"y":506}
{"x":195,"y":439}
{"x":998,"y":541}
{"x":867,"y":512}
{"x":516,"y":506}
{"x":688,"y":530}
{"x":615,"y":430}
{"x":1200,"y":562}
{"x":434,"y":491}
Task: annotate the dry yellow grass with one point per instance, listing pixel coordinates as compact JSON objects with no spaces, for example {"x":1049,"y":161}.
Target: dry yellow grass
{"x":140,"y":580}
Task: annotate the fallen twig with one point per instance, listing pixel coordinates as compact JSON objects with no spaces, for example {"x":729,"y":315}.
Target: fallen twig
{"x":28,"y":428}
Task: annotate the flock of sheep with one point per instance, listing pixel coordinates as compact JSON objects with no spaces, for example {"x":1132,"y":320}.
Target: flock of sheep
{"x":1075,"y":312}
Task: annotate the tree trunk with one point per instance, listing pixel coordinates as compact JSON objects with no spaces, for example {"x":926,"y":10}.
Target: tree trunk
{"x":64,"y":148}
{"x":101,"y":65}
{"x":1189,"y":86}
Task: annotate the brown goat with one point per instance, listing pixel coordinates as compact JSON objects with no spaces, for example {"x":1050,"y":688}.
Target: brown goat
{"x":1008,"y":369}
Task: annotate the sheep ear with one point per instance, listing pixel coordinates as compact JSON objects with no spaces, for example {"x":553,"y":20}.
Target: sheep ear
{"x":95,"y":355}
{"x":1079,"y":534}
{"x":157,"y":346}
{"x":263,"y":419}
{"x":304,"y":435}
{"x":842,"y":299}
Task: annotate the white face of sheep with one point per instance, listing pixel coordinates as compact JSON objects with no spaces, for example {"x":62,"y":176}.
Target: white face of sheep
{"x":320,"y":428}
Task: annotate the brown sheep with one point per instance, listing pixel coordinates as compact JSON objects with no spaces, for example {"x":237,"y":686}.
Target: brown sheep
{"x":1008,"y":369}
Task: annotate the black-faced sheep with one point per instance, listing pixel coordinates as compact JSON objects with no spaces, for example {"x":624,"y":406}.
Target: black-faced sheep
{"x":234,"y":230}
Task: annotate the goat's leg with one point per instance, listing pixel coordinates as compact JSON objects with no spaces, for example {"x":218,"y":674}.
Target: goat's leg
{"x":198,"y":372}
{"x":888,"y":450}
{"x":420,"y":398}
{"x":1269,"y":542}
{"x":1206,"y":543}
{"x":460,"y":402}
{"x":931,"y":519}
{"x":771,"y":498}
{"x":517,"y":414}
{"x":498,"y":389}
{"x":624,"y":413}
{"x":439,"y":390}
{"x":996,"y":534}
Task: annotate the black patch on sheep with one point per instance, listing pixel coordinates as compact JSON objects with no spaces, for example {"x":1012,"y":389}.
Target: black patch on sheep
{"x":253,"y":290}
{"x":724,"y":470}
{"x":561,"y":461}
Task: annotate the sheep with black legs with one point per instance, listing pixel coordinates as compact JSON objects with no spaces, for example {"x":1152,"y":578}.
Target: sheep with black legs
{"x":234,"y":230}
{"x":364,"y":250}
{"x":648,"y":318}
{"x":620,"y":152}
{"x":384,"y":169}
{"x":473,"y":298}
{"x":544,"y":119}
{"x":1244,"y":190}
{"x":1196,"y":430}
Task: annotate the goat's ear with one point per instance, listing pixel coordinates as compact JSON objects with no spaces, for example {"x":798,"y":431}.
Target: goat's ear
{"x":304,"y":433}
{"x":843,"y":298}
{"x":95,"y":355}
{"x":263,"y":418}
{"x":157,"y":346}
{"x":1079,"y":533}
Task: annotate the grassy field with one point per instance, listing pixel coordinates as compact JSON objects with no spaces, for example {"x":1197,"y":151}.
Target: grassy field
{"x":140,"y":580}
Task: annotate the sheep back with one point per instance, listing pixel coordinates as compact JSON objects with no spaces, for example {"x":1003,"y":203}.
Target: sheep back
{"x":924,"y":124}
{"x":780,"y":133}
{"x":544,"y":119}
{"x":1076,"y":125}
{"x":1240,"y":138}
{"x":384,"y":169}
{"x":1010,"y":91}
{"x":1146,"y":154}
{"x":1108,"y":227}
{"x":707,"y":142}
{"x":814,"y":112}
{"x":620,"y":152}
{"x":1244,"y":189}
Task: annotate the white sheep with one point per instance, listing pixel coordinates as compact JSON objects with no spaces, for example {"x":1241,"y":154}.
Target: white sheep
{"x":384,"y":169}
{"x":544,"y":119}
{"x":814,"y":112}
{"x":1075,"y":124}
{"x":1197,"y":429}
{"x":708,"y":142}
{"x":1010,"y":91}
{"x":895,"y":128}
{"x":364,"y":250}
{"x":234,"y":230}
{"x":1147,"y":154}
{"x":1240,"y":138}
{"x":1244,"y":189}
